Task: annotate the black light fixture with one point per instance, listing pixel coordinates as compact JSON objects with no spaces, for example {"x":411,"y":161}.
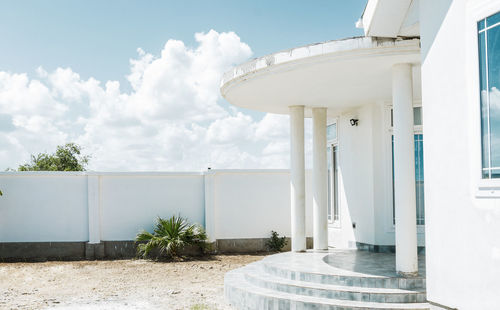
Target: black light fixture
{"x":354,"y":121}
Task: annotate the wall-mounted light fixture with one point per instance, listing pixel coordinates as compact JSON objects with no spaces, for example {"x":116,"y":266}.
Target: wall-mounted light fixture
{"x":354,"y":121}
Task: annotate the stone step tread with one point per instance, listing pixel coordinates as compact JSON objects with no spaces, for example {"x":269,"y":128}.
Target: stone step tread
{"x":234,"y":279}
{"x":256,"y":272}
{"x":328,"y":271}
{"x":346,"y":280}
{"x":297,"y":264}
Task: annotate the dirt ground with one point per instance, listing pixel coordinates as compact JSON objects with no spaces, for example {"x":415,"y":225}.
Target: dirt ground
{"x":118,"y":284}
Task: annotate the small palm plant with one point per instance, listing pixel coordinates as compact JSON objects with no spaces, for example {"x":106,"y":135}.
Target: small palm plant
{"x":170,"y":236}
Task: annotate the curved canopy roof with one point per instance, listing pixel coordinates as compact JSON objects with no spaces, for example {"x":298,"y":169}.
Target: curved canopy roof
{"x":336,"y":74}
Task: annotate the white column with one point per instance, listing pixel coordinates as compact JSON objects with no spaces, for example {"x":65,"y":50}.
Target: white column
{"x":297,"y":190}
{"x":93,"y":201}
{"x":404,"y":170}
{"x":210,"y":205}
{"x":320,"y":181}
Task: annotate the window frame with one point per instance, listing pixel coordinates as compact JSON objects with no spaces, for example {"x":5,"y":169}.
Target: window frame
{"x":387,"y":133}
{"x":335,"y":143}
{"x":475,"y":12}
{"x":485,"y":30}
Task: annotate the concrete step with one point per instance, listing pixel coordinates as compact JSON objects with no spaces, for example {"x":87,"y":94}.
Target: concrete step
{"x":255,"y":275}
{"x":340,"y":277}
{"x":243,"y":294}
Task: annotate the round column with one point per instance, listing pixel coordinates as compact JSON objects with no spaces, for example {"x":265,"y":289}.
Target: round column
{"x":297,"y":180}
{"x":404,"y":170}
{"x":320,"y":180}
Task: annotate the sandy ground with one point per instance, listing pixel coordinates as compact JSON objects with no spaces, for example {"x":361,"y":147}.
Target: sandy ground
{"x":119,"y":284}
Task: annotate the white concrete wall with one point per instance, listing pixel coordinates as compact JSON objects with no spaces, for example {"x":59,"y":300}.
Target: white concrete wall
{"x":38,"y":206}
{"x":251,"y":203}
{"x":365,"y":158}
{"x":462,"y":228}
{"x":69,"y":206}
{"x":131,"y":202}
{"x":356,"y":180}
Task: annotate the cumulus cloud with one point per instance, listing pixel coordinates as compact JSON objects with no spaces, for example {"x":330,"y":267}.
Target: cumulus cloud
{"x":172,"y":119}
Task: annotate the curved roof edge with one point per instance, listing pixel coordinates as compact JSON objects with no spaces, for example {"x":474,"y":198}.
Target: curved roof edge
{"x":333,"y":47}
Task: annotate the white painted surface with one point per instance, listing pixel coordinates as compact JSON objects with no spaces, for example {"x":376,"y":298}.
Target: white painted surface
{"x":356,"y":180}
{"x":320,"y":180}
{"x":341,"y":74}
{"x":210,"y":205}
{"x":94,"y":208}
{"x":43,"y":207}
{"x":57,"y":206}
{"x":462,"y":229}
{"x":298,"y":179}
{"x":385,"y":18}
{"x":251,"y":203}
{"x":131,"y":203}
{"x":365,"y":159}
{"x":404,"y":170}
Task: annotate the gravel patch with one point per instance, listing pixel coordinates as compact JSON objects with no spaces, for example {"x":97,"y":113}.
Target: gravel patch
{"x":118,"y":284}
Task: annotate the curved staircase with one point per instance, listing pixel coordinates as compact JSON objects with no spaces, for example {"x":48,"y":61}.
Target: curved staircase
{"x":338,"y":280}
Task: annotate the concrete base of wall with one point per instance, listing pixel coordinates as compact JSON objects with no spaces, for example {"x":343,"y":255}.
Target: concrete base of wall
{"x":94,"y":250}
{"x":41,"y":251}
{"x":382,"y":248}
{"x":36,"y":251}
{"x":251,"y":245}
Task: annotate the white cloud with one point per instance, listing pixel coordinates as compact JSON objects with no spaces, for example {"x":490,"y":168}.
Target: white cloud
{"x":172,"y":119}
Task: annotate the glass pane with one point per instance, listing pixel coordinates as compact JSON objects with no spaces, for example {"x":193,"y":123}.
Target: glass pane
{"x":495,"y":173}
{"x":419,"y":178}
{"x":329,"y":167}
{"x":480,"y":25}
{"x":484,"y":104}
{"x":393,"y":197}
{"x":493,"y":19}
{"x":493,"y":64}
{"x":417,"y":116}
{"x":335,"y":184}
{"x":331,"y":132}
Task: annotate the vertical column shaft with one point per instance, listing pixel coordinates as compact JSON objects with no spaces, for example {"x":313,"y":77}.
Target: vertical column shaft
{"x":320,"y":181}
{"x":93,"y":201}
{"x":404,"y":170}
{"x":297,"y":190}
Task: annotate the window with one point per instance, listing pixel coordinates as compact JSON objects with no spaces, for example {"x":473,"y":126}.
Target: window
{"x":419,"y":166}
{"x":419,"y":179}
{"x":489,"y":83}
{"x":333,"y":174}
{"x":417,"y":116}
{"x":331,"y":132}
{"x":333,"y":183}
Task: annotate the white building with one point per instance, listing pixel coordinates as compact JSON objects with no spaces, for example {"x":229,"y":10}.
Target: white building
{"x":406,"y":124}
{"x":418,"y":93}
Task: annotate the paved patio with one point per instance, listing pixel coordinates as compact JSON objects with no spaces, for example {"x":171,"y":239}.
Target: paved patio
{"x":335,"y":279}
{"x":368,"y":263}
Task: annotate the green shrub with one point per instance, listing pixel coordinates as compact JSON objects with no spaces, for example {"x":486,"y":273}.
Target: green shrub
{"x":170,"y":236}
{"x":275,"y":243}
{"x":201,"y":307}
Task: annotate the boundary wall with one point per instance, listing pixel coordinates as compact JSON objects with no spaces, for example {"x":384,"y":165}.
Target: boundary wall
{"x":71,"y":215}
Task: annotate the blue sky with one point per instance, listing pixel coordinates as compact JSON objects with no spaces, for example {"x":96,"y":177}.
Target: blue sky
{"x":97,"y":38}
{"x":61,"y":56}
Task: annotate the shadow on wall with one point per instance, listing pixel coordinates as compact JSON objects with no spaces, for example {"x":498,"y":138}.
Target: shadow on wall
{"x":356,"y":165}
{"x":430,"y":28}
